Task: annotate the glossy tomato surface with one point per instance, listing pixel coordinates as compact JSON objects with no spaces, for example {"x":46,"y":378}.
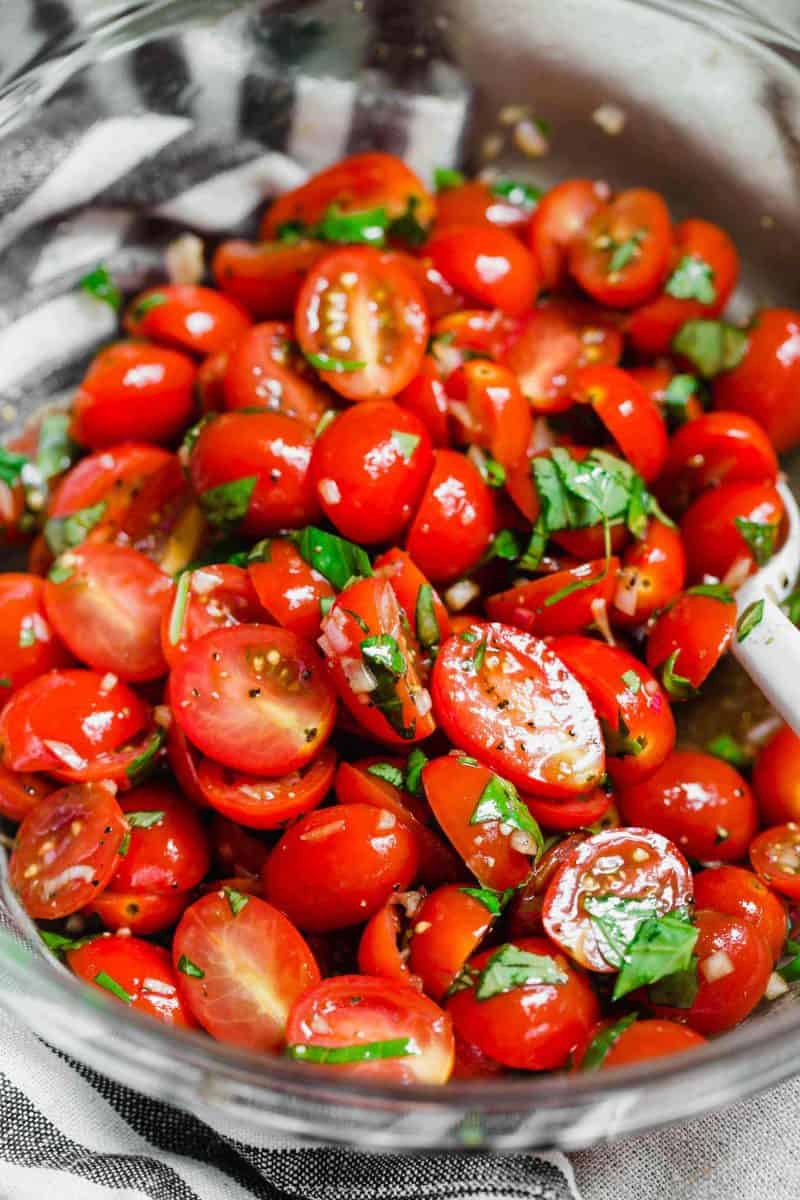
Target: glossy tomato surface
{"x":135,"y":972}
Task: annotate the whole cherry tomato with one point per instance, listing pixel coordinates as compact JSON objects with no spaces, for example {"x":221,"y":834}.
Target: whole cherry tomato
{"x":289,"y":588}
{"x":717,"y":447}
{"x":733,"y":525}
{"x":266,"y":278}
{"x":213,"y":597}
{"x":447,"y":928}
{"x":488,"y":265}
{"x":134,"y":972}
{"x":440,"y":297}
{"x":764,"y":384}
{"x":133,"y":391}
{"x":628,"y":413}
{"x":775,"y":856}
{"x":622,"y":256}
{"x":141,"y":913}
{"x":186,"y":317}
{"x":426,"y":398}
{"x":776,"y":778}
{"x":561,"y":217}
{"x":266,"y":803}
{"x":740,"y":893}
{"x":562,"y":602}
{"x":565,"y":816}
{"x":636,"y":1041}
{"x":691,"y":636}
{"x":265,"y":370}
{"x":167,"y":848}
{"x":489,"y":410}
{"x":454,"y":521}
{"x":28,"y":645}
{"x":20,"y":791}
{"x":652,"y":574}
{"x":504,"y":203}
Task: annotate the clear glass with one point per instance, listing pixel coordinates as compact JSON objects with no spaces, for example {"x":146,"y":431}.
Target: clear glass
{"x":710,"y":91}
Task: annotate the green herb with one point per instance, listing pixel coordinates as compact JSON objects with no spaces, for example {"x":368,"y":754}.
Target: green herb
{"x":615,"y":921}
{"x":124,"y":845}
{"x":790,"y":970}
{"x":631,"y":680}
{"x":98,"y":283}
{"x":367,"y":228}
{"x":236,"y":900}
{"x":417,"y":759}
{"x":385,"y":660}
{"x":750,"y":618}
{"x":64,"y":533}
{"x":11,"y":465}
{"x":291,"y":232}
{"x":464,"y":979}
{"x":326,"y":603}
{"x":490,"y":470}
{"x":388,"y":772}
{"x":27,"y":637}
{"x":468,"y":635}
{"x":141,"y":766}
{"x":56,"y":450}
{"x":531,"y":559}
{"x":619,"y":742}
{"x":382,"y":651}
{"x":602,"y":1042}
{"x":711,"y":346}
{"x":228,"y":503}
{"x":729,"y":750}
{"x":623,"y":253}
{"x":59,"y":573}
{"x":505,"y":545}
{"x":359,"y":620}
{"x":577,"y":585}
{"x":679,"y":989}
{"x":759,"y":536}
{"x":467,"y":760}
{"x":427,"y":625}
{"x":325,"y":420}
{"x":407,"y":228}
{"x":239,"y":558}
{"x":360,"y":1052}
{"x":678,"y":687}
{"x":511,"y":968}
{"x":187,"y":967}
{"x":148,"y":302}
{"x":406,"y":443}
{"x":499,"y":801}
{"x":178,"y":611}
{"x":445,"y":178}
{"x":145,"y":819}
{"x":325,"y":362}
{"x":478,"y":655}
{"x":523,"y":195}
{"x":104,"y":980}
{"x":5,"y":681}
{"x":791,"y":606}
{"x":676,"y":397}
{"x":692,"y":279}
{"x":715,"y":591}
{"x":661,"y":946}
{"x":60,"y":944}
{"x":492,"y":900}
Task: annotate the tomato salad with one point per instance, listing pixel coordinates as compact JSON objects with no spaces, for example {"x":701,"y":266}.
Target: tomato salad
{"x":338,"y":696}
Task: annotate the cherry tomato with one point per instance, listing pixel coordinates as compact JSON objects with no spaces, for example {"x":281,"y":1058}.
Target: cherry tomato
{"x":504,"y":696}
{"x":255,"y":698}
{"x":358,"y":306}
{"x":455,"y":519}
{"x":252,"y":470}
{"x":66,"y":850}
{"x":355,"y":1010}
{"x":213,"y":597}
{"x":717,"y":447}
{"x":357,"y":856}
{"x":489,"y":410}
{"x":628,"y":413}
{"x":525,"y":908}
{"x":139,"y":912}
{"x":740,"y":893}
{"x":678,"y":405}
{"x":633,"y":708}
{"x":265,"y":278}
{"x":28,"y":646}
{"x":266,"y":803}
{"x":168,"y":848}
{"x":383,"y":948}
{"x":775,"y":856}
{"x":134,"y":972}
{"x":565,"y":816}
{"x":370,"y":467}
{"x":531,"y":1027}
{"x":426,"y":614}
{"x":209,"y":384}
{"x":622,"y":256}
{"x":186,"y":317}
{"x":20,"y":791}
{"x":237,"y":851}
{"x":459,"y":336}
{"x":264,"y":370}
{"x":712,"y":531}
{"x":449,"y":927}
{"x":765,"y":383}
{"x":440,"y":297}
{"x":776,"y":778}
{"x":133,"y":391}
{"x":426,"y":398}
{"x":289,"y":588}
{"x":644,"y":1040}
{"x":563,"y":602}
{"x":697,"y":629}
{"x":472,"y":1063}
{"x":488,"y":265}
{"x":476,"y":202}
{"x":705,"y":268}
{"x":107,"y":604}
{"x":240,"y":966}
{"x":653,"y":573}
{"x":184,"y":760}
{"x":560,"y":218}
{"x":98,"y":477}
{"x":628,"y":863}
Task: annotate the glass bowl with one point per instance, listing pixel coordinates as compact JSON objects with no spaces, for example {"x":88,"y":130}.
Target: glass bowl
{"x":148,"y":118}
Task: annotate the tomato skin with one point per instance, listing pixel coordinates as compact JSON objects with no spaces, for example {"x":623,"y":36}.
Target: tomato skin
{"x":370,"y":467}
{"x":455,"y":519}
{"x":264,"y":370}
{"x":66,"y":850}
{"x":406,"y":579}
{"x":532,"y":1028}
{"x":488,"y":265}
{"x":635,"y":214}
{"x":255,"y":965}
{"x":191,"y":318}
{"x":28,"y":646}
{"x":290,"y":589}
{"x":440,"y":297}
{"x":697,"y":801}
{"x":557,"y":750}
{"x":724,"y":1002}
{"x":264,"y":278}
{"x":237,"y":851}
{"x":97,"y":475}
{"x":379,"y":950}
{"x":656,"y":381}
{"x":485,"y":332}
{"x":739,"y":893}
{"x":426,"y":398}
{"x":134,"y":964}
{"x":219,"y":596}
{"x":357,"y":855}
{"x":358,"y":1008}
{"x":561,"y":216}
{"x":765,"y":383}
{"x":184,"y":759}
{"x":20,"y":791}
{"x":474,"y":203}
{"x":711,"y":538}
{"x":140,"y":912}
{"x":489,"y":410}
{"x":472,"y":1063}
{"x":133,"y":392}
{"x":566,"y":816}
{"x":525,"y":909}
{"x":446,"y":930}
{"x":172,"y":855}
{"x":654,"y":567}
{"x":534,"y":606}
{"x":717,"y":447}
{"x":776,"y":778}
{"x":266,"y":803}
{"x":209,"y":384}
{"x":700,"y":628}
{"x":628,"y":413}
{"x":775,"y":857}
{"x":645,"y":1040}
{"x":109,"y":609}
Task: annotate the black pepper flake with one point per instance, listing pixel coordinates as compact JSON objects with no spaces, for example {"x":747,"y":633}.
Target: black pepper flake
{"x":195,"y":692}
{"x":254,"y":692}
{"x":310,"y":734}
{"x":501,"y":704}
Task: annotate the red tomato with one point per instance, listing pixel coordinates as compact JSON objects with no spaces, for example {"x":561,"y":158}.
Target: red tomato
{"x":255,"y":698}
{"x":633,"y":708}
{"x":133,"y":391}
{"x":210,"y":382}
{"x":240,"y":968}
{"x":557,"y":340}
{"x":455,"y":519}
{"x":237,"y":851}
{"x":565,"y":816}
{"x":525,"y":909}
{"x":253,"y":471}
{"x":531,"y":1027}
{"x":740,"y":893}
{"x":630,"y":863}
{"x":472,"y":1063}
{"x":717,"y":447}
{"x":563,"y":602}
{"x":775,"y":856}
{"x":489,"y":410}
{"x":358,"y":306}
{"x":265,"y":278}
{"x":764,"y":385}
{"x":653,"y":573}
{"x":28,"y":646}
{"x":449,"y":927}
{"x":501,"y":694}
{"x":628,"y":413}
{"x":488,"y":265}
{"x":383,"y":948}
{"x":100,"y":476}
{"x":476,"y":202}
{"x":107,"y":604}
{"x":734,"y":964}
{"x":354,"y":184}
{"x":776,"y":778}
{"x":184,"y":760}
{"x":705,"y":266}
{"x":711,"y":530}
{"x":139,"y":912}
{"x":266,"y":803}
{"x":440,"y":296}
{"x":675,"y":410}
{"x":426,"y":614}
{"x":697,"y":629}
{"x":168,"y":848}
{"x":265,"y":371}
{"x":20,"y":791}
{"x":561,"y":217}
{"x":186,"y":317}
{"x":369,"y":468}
{"x":645,"y":1040}
{"x":698,"y":801}
{"x":459,"y":336}
{"x":142,"y":973}
{"x":622,"y":256}
{"x":209,"y":598}
{"x":355,"y":1010}
{"x":289,"y":588}
{"x":357,"y":856}
{"x":426,"y":398}
{"x":66,"y":850}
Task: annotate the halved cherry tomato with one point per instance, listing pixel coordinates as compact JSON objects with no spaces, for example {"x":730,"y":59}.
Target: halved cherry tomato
{"x":289,"y":588}
{"x":775,"y":855}
{"x":357,"y":856}
{"x":266,"y":803}
{"x":677,"y":406}
{"x":133,"y":391}
{"x":240,"y":967}
{"x":28,"y":646}
{"x":776,"y":778}
{"x":525,"y":909}
{"x":533,"y":1026}
{"x":459,"y":336}
{"x":740,"y":893}
{"x":503,"y":695}
{"x":653,"y":573}
{"x":370,"y":467}
{"x":361,"y":321}
{"x":563,"y":602}
{"x":643,"y":1041}
{"x":142,"y":973}
{"x":446,"y":930}
{"x":355,"y":1010}
{"x":99,"y":476}
{"x":255,"y":698}
{"x":628,"y":413}
{"x":184,"y":760}
{"x":67,"y":849}
{"x":139,"y":912}
{"x":426,"y":614}
{"x":237,"y":851}
{"x":489,"y":410}
{"x":383,"y":948}
{"x":168,"y":848}
{"x":265,"y":278}
{"x":426,"y":398}
{"x":717,"y":447}
{"x":713,"y":528}
{"x":20,"y":791}
{"x":455,"y":519}
{"x":764,"y":385}
{"x":472,"y":1063}
{"x":622,"y":256}
{"x":560,"y":218}
{"x":266,"y":371}
{"x":627,"y":863}
{"x":696,"y":629}
{"x":209,"y":384}
{"x":633,"y":708}
{"x":488,"y":265}
{"x":476,"y":201}
{"x":107,"y":603}
{"x":213,"y":597}
{"x":564,"y":816}
{"x":187,"y":317}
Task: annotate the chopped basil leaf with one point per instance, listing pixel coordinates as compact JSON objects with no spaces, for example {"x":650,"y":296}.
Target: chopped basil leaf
{"x":425,"y":620}
{"x":11,"y":465}
{"x":711,"y":346}
{"x":143,"y":764}
{"x":178,"y":612}
{"x":228,"y":503}
{"x":692,"y":279}
{"x":676,"y":397}
{"x":407,"y":228}
{"x":5,"y":682}
{"x":478,"y":655}
{"x":534,"y":553}
{"x":291,"y":232}
{"x":468,"y":635}
{"x":750,"y":618}
{"x":142,"y":307}
{"x":60,"y":944}
{"x":523,"y":195}
{"x":602,"y":1042}
{"x":499,"y":801}
{"x":490,"y":470}
{"x":406,"y":443}
{"x":678,"y":687}
{"x":59,"y":573}
{"x":759,"y":536}
{"x":467,"y":760}
{"x":729,"y":750}
{"x":631,"y":680}
{"x":360,"y":1052}
{"x":791,"y":606}
{"x":383,"y":651}
{"x":679,"y":989}
{"x":368,"y":228}
{"x":417,"y":759}
{"x":145,"y":819}
{"x":325,"y":362}
{"x":387,"y":663}
{"x":790,"y":970}
{"x":715,"y":591}
{"x":388,"y":772}
{"x":55,"y":450}
{"x":619,"y":742}
{"x":622,"y":253}
{"x":504,"y":545}
{"x":359,"y":620}
{"x":577,"y":585}
{"x":236,"y":900}
{"x":27,"y":637}
{"x":187,"y":967}
{"x":104,"y":980}
{"x":615,"y":921}
{"x":660,"y":947}
{"x":492,"y":900}
{"x":511,"y":968}
{"x":63,"y":533}
{"x":326,"y":603}
{"x":325,"y":420}
{"x":98,"y":283}
{"x":124,"y":845}
{"x":464,"y":979}
{"x":445,"y":178}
